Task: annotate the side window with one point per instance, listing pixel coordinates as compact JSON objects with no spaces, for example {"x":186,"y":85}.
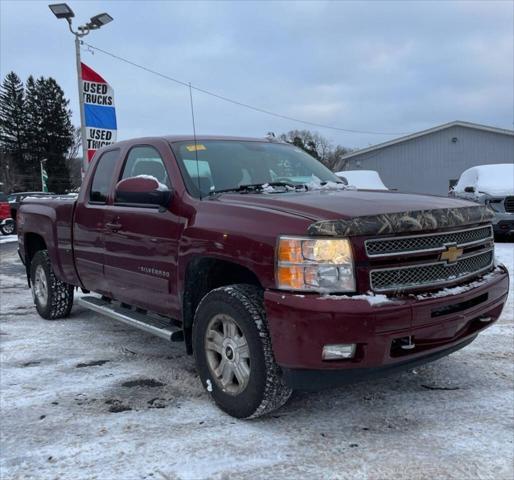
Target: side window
{"x":102,"y":178}
{"x":145,"y":160}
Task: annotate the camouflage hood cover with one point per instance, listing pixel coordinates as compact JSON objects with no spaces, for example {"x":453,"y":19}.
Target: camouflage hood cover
{"x":409,"y":221}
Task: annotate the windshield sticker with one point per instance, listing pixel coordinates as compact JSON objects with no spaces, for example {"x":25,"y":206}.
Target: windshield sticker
{"x":195,"y":148}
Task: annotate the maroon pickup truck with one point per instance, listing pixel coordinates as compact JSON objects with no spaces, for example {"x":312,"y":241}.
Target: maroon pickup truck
{"x":274,"y":274}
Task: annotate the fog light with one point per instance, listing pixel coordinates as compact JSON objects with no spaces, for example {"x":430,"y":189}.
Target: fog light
{"x":338,"y":352}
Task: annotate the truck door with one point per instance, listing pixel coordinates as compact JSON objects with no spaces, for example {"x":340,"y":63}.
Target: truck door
{"x":89,"y":224}
{"x":141,"y":241}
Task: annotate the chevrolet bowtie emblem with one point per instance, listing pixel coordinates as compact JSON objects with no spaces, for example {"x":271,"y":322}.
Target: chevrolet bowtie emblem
{"x":451,"y":254}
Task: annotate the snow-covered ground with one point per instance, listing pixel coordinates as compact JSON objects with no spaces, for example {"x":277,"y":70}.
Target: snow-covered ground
{"x":8,"y":238}
{"x":88,"y":398}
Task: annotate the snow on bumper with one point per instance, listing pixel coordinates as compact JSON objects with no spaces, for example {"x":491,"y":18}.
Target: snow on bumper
{"x":300,"y":325}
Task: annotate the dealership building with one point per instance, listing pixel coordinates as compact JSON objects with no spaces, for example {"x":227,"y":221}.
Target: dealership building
{"x":432,"y":160}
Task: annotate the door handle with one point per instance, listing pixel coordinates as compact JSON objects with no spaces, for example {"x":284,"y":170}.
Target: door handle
{"x":113,"y":227}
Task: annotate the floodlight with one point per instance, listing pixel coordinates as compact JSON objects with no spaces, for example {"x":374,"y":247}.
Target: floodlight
{"x":62,"y":10}
{"x":101,"y":19}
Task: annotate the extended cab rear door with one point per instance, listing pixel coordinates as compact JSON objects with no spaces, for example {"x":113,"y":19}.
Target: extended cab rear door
{"x":89,"y":223}
{"x":141,"y":241}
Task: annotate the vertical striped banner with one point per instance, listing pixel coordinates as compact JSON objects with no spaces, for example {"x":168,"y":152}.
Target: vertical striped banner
{"x":99,"y":111}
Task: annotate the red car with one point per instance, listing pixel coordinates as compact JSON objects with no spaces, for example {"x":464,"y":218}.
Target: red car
{"x":6,"y":222}
{"x":274,"y":274}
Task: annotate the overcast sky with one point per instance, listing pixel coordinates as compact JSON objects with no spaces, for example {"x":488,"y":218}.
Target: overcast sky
{"x":374,"y":66}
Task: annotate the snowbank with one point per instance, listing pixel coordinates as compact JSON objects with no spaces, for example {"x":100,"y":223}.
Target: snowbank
{"x":8,"y":239}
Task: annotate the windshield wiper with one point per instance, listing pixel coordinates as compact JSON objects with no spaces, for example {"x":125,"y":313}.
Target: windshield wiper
{"x":261,"y":187}
{"x":257,"y":187}
{"x":241,"y":188}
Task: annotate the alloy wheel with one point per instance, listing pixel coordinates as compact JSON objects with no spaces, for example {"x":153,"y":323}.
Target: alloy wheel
{"x":228,"y":354}
{"x":40,"y":286}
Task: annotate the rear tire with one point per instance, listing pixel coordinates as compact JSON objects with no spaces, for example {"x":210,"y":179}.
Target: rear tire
{"x":233,"y":352}
{"x":53,"y":298}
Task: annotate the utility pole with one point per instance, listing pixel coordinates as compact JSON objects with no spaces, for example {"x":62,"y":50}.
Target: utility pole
{"x":62,"y":10}
{"x":83,"y":136}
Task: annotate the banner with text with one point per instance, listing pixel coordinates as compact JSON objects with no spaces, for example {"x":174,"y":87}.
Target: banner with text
{"x":99,"y":111}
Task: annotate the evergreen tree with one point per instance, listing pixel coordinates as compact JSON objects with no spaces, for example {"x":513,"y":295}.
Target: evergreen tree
{"x":12,"y":132}
{"x":49,"y":132}
{"x":32,"y":120}
{"x":35,"y":126}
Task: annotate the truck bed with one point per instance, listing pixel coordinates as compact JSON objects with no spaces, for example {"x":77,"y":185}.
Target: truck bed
{"x":52,"y":219}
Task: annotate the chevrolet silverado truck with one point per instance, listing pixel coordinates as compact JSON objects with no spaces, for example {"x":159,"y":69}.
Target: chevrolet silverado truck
{"x":275,"y":274}
{"x":15,"y":200}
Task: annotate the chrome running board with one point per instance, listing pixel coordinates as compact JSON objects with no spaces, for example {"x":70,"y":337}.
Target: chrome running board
{"x":146,"y":322}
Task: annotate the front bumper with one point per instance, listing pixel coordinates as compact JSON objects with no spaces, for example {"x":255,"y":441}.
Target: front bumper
{"x":314,"y":380}
{"x":300,"y":325}
{"x":503,"y":223}
{"x":504,"y":227}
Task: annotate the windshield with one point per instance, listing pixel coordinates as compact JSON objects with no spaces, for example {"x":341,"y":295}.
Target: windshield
{"x":228,"y":164}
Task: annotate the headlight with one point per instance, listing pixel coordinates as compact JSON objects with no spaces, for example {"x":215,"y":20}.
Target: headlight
{"x":309,"y":264}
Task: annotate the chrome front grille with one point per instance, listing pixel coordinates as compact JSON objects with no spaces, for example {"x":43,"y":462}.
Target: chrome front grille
{"x":427,"y":243}
{"x":430,"y":274}
{"x":449,"y":257}
{"x":509,"y":204}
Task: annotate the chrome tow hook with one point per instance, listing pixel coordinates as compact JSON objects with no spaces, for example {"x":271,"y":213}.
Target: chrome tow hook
{"x":409,"y":345}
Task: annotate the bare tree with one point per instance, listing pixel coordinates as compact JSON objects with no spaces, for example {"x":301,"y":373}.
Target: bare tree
{"x":316,"y":145}
{"x":74,"y":159}
{"x":335,"y":158}
{"x":74,"y":150}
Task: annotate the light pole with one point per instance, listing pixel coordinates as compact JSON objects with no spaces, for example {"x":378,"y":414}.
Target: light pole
{"x":62,"y":10}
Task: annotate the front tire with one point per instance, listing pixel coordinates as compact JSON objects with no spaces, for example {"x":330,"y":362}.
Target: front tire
{"x":53,"y":298}
{"x":8,"y":228}
{"x":234,"y":355}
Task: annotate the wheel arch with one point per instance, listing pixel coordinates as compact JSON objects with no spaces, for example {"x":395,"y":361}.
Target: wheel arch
{"x":203,"y":274}
{"x":33,"y":243}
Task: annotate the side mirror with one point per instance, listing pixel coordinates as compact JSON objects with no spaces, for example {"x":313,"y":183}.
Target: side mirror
{"x":469,"y":189}
{"x":142,"y":190}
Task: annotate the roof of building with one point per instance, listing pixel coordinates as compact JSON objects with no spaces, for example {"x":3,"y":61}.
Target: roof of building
{"x":406,"y":138}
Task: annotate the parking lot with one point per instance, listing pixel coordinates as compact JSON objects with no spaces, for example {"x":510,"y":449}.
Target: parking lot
{"x":89,"y":398}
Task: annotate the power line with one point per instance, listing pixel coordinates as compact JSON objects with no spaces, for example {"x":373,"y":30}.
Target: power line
{"x":236,"y":102}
